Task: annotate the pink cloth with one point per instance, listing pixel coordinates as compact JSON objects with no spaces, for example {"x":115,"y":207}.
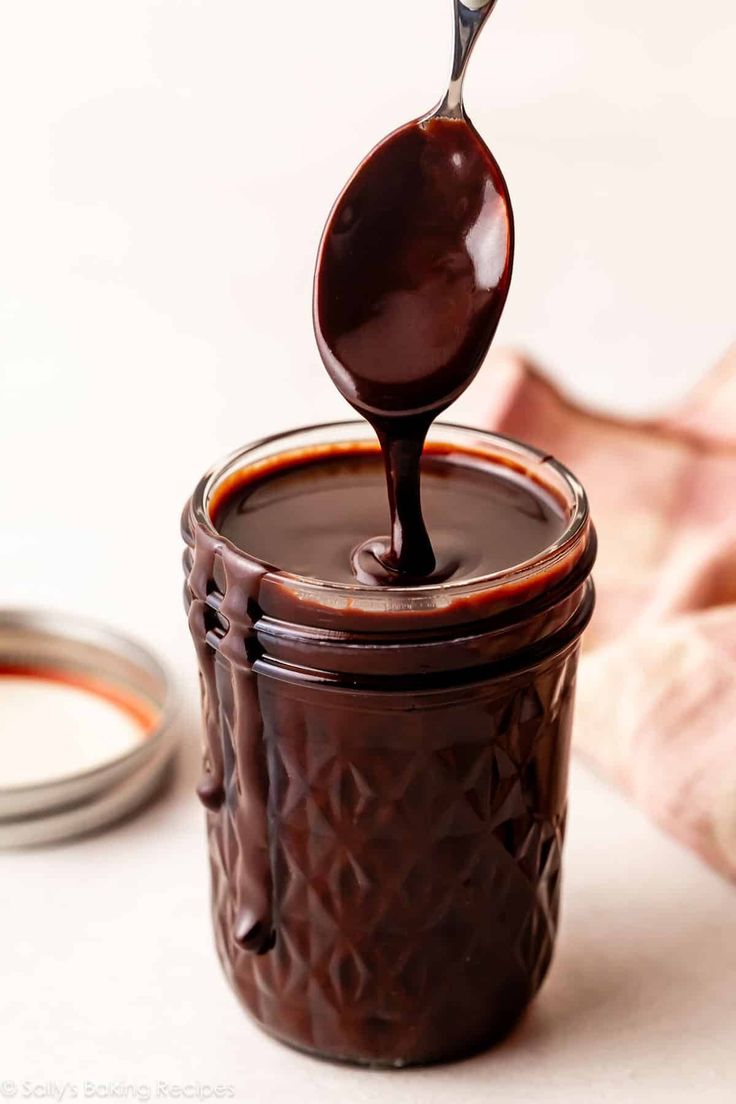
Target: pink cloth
{"x":656,"y":705}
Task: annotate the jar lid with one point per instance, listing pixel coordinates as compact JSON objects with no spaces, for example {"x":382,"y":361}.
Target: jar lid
{"x":86,"y":721}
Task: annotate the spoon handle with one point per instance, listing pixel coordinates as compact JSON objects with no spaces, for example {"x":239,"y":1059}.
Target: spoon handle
{"x":470,"y":17}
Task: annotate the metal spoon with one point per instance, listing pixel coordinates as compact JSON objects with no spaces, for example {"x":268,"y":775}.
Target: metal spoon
{"x":470,"y":17}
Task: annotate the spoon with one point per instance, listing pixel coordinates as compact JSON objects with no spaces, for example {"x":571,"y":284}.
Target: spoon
{"x":412,"y":275}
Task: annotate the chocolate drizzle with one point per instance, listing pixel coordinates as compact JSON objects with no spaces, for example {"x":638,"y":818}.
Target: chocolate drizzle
{"x":234,"y":785}
{"x":412,"y":275}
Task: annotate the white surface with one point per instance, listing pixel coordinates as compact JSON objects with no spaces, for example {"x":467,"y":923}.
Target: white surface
{"x":159,"y":215}
{"x":109,"y":975}
{"x":51,"y":730}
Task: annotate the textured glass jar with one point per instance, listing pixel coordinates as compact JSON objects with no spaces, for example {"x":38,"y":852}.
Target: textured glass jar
{"x":385,"y":774}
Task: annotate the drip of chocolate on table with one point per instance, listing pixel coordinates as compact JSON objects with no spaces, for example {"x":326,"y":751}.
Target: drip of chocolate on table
{"x":412,"y":276}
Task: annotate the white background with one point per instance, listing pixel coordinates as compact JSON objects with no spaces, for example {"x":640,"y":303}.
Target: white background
{"x":165,"y":171}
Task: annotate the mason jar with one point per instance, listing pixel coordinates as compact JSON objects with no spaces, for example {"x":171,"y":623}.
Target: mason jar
{"x":385,"y":773}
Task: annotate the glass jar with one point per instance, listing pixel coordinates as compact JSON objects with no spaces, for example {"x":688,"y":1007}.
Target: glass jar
{"x":385,"y":775}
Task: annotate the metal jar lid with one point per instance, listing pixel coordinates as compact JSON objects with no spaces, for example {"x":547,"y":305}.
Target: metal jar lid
{"x":66,"y":663}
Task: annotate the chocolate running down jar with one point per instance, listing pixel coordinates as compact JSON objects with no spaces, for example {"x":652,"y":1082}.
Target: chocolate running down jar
{"x":385,"y":768}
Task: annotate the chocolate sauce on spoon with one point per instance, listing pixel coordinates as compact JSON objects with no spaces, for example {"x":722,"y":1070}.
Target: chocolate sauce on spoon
{"x":412,"y":276}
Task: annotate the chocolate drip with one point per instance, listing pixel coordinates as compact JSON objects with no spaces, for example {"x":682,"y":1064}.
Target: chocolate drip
{"x":234,"y":786}
{"x":409,"y":554}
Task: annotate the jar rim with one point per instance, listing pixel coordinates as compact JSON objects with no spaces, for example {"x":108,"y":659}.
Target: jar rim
{"x":523,"y":459}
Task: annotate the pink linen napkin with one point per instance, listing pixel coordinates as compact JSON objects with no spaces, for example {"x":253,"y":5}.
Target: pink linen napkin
{"x":656,"y":708}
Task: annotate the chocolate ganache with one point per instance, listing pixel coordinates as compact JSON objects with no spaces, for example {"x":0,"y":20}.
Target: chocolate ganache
{"x":307,"y":517}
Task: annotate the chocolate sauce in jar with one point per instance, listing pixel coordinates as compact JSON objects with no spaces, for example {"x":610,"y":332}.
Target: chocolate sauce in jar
{"x":308,"y":517}
{"x":386,"y":768}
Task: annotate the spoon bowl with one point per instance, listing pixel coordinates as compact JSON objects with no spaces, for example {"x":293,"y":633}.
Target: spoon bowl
{"x":414,"y":270}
